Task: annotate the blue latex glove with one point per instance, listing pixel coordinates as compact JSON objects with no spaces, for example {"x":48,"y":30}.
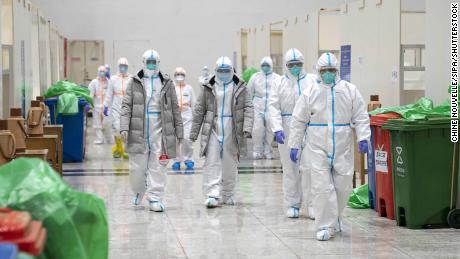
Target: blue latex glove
{"x":106,"y":111}
{"x":293,"y":155}
{"x":363,"y":146}
{"x":87,"y":107}
{"x":279,"y":136}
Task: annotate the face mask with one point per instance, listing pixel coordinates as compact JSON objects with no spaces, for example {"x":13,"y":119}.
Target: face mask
{"x":266,"y":69}
{"x":328,"y":77}
{"x":102,"y":74}
{"x":151,"y":66}
{"x":295,"y":71}
{"x":180,"y":78}
{"x":224,"y":77}
{"x":123,"y":69}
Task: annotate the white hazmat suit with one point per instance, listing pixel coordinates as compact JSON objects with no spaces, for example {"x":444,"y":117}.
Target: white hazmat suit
{"x":97,"y":89}
{"x":283,"y":97}
{"x":260,"y":86}
{"x":328,"y":112}
{"x":186,"y":100}
{"x":221,"y":165}
{"x":147,"y":174}
{"x":114,"y":98}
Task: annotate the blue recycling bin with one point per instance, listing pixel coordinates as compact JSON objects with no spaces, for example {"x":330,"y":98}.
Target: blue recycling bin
{"x":73,"y":132}
{"x":371,"y":172}
{"x":8,"y":251}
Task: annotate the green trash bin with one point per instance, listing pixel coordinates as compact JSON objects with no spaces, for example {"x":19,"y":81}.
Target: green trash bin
{"x":422,"y":172}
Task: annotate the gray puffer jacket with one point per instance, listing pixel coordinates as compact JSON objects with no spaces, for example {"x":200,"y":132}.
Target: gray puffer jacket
{"x":206,"y":109}
{"x":133,"y":115}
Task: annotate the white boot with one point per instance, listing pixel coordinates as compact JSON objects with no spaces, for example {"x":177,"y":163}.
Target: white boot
{"x":211,"y":202}
{"x":137,"y":200}
{"x":338,"y":226}
{"x":292,"y":212}
{"x":157,"y":206}
{"x":310,"y":213}
{"x":324,"y":234}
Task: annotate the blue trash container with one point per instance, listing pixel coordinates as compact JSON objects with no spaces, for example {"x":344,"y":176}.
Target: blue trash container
{"x":371,"y":172}
{"x":8,"y":251}
{"x":73,"y":132}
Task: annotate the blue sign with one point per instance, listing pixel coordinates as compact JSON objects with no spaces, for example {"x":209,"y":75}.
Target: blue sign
{"x":345,"y":62}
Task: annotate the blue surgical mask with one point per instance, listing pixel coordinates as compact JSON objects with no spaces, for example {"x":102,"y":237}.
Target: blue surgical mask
{"x":328,"y":77}
{"x":123,"y":69}
{"x":266,"y":69}
{"x":224,"y":77}
{"x":151,"y":66}
{"x":295,"y":71}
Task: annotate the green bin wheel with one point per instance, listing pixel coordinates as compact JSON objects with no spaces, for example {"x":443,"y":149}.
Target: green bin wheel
{"x":453,"y":218}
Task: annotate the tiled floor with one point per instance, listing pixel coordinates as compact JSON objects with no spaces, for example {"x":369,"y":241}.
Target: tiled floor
{"x":255,"y":228}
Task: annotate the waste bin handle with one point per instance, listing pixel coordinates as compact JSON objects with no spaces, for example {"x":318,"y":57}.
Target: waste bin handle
{"x":453,"y":177}
{"x":22,"y":127}
{"x":13,"y":150}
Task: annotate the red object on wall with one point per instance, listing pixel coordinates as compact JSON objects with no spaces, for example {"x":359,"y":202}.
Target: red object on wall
{"x":383,"y":170}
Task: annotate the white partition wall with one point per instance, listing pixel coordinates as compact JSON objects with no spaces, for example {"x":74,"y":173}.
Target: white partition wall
{"x":61,"y":58}
{"x":372,"y":28}
{"x":412,"y":51}
{"x":44,"y":53}
{"x":35,"y":52}
{"x":54,"y":52}
{"x":22,"y":25}
{"x":437,"y":61}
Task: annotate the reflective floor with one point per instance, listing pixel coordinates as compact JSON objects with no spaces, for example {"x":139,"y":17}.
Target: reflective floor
{"x":255,"y":228}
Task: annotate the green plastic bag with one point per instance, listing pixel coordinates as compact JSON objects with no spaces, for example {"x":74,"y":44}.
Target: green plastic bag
{"x":247,"y":74}
{"x":76,"y":222}
{"x":359,"y":198}
{"x":64,"y":86}
{"x":420,"y":110}
{"x":67,"y":104}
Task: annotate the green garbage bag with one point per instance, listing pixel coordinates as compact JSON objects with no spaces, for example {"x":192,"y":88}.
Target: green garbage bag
{"x":67,"y":104}
{"x":64,"y":86}
{"x":420,"y":110}
{"x":247,"y":74}
{"x":359,"y":198}
{"x":76,"y":222}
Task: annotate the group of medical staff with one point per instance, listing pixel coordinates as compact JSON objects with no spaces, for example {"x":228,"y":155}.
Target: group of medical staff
{"x":311,"y":116}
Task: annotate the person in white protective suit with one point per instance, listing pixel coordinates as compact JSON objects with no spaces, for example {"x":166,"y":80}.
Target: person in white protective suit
{"x":328,"y":110}
{"x":224,"y":114}
{"x":186,"y":100}
{"x":112,"y":103}
{"x":259,"y":85}
{"x":151,"y":125}
{"x":97,"y":89}
{"x":205,"y":76}
{"x":283,"y":96}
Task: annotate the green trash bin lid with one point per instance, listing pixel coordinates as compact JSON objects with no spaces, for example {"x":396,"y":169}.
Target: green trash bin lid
{"x":406,"y":125}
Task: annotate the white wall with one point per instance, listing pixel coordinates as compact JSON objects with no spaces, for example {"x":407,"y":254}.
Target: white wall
{"x":437,"y":24}
{"x":301,"y":32}
{"x":258,"y":44}
{"x":185,"y":33}
{"x":329,"y":30}
{"x":374,"y":35}
{"x":412,"y":28}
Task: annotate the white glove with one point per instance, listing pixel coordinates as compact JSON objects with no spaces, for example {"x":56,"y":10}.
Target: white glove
{"x":124,"y":136}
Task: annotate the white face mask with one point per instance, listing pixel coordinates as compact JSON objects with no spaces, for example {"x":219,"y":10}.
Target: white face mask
{"x":180,"y":78}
